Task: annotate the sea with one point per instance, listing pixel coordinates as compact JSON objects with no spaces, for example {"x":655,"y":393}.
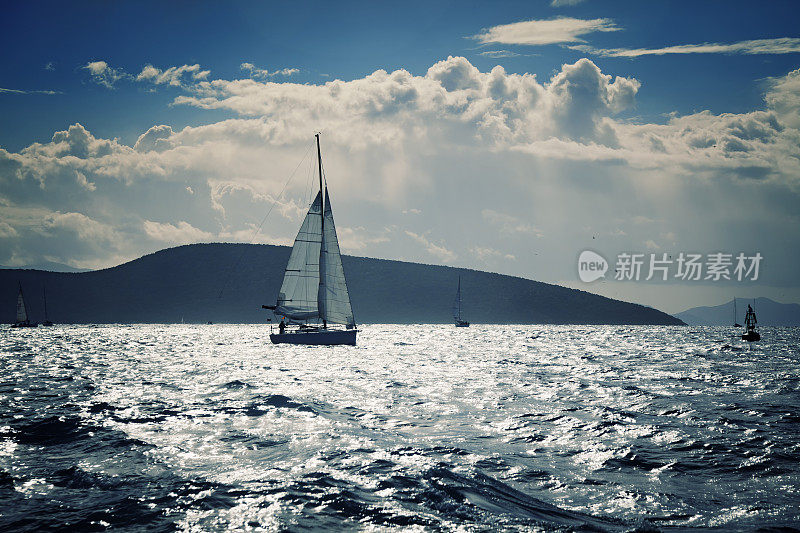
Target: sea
{"x":418,"y":428}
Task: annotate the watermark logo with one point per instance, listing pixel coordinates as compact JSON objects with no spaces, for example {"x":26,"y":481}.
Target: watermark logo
{"x":591,"y":266}
{"x":684,"y":266}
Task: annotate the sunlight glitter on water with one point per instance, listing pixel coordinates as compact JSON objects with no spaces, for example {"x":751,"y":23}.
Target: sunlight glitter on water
{"x":410,"y":428}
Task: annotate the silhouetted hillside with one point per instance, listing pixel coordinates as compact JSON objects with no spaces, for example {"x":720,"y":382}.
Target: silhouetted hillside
{"x":184,"y":283}
{"x":769,"y":313}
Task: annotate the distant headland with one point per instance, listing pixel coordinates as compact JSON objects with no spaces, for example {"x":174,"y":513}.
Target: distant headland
{"x":198,"y":283}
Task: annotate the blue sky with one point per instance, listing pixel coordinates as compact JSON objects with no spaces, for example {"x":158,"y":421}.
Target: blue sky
{"x":678,"y":137}
{"x":349,"y":40}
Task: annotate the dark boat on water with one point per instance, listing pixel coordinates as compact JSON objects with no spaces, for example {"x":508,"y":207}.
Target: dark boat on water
{"x":47,"y":321}
{"x":750,"y":334}
{"x":460,"y":323}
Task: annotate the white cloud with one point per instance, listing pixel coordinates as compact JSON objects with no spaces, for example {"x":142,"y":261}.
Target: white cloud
{"x":485,"y":157}
{"x":83,"y":182}
{"x":173,"y":76}
{"x":783,"y":45}
{"x":360,"y":239}
{"x":784,"y":98}
{"x":103,"y":74}
{"x":256,"y":72}
{"x":438,"y":251}
{"x":20,"y":91}
{"x":565,"y":3}
{"x":154,"y":139}
{"x":6,"y":231}
{"x":541,"y":32}
{"x":498,"y":54}
{"x":510,"y":224}
{"x":180,"y":233}
{"x":488,"y":253}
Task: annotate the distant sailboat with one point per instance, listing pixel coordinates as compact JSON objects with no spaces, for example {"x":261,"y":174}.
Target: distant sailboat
{"x":314,"y":286}
{"x":750,"y":334}
{"x":46,"y":320}
{"x":735,"y":322}
{"x":457,"y":308}
{"x":22,"y":313}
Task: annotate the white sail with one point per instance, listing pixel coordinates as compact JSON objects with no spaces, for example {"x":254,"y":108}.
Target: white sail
{"x":297,"y":299}
{"x":22,"y":313}
{"x":334,"y":300}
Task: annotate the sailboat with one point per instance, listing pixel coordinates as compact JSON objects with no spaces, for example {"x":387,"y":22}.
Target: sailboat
{"x":22,"y":313}
{"x":457,"y":308}
{"x":46,"y":320}
{"x":313,"y":296}
{"x":735,"y":323}
{"x":750,"y":334}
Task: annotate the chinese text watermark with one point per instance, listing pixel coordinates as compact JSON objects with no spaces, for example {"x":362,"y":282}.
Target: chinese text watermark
{"x":662,"y":267}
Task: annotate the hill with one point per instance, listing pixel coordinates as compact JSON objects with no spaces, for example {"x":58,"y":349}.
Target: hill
{"x":185,"y":283}
{"x":769,"y":313}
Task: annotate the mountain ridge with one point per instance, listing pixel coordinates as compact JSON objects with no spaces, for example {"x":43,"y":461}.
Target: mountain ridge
{"x":222,"y":282}
{"x":769,"y":313}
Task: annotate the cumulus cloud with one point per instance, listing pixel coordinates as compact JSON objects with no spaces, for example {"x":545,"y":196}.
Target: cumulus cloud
{"x":784,"y":98}
{"x":453,"y":93}
{"x":154,"y":139}
{"x":541,"y":32}
{"x":565,"y":3}
{"x":783,"y":45}
{"x":491,"y":161}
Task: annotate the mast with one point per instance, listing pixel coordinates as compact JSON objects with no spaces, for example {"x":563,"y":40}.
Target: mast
{"x":322,"y":227}
{"x":44,"y":293}
{"x":319,"y":161}
{"x":459,"y":297}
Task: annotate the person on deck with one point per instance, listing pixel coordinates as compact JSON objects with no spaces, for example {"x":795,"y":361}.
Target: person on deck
{"x":282,"y":327}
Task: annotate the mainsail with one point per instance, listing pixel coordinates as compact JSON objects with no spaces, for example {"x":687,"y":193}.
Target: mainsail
{"x":22,"y":313}
{"x":334,"y":300}
{"x":297,"y":299}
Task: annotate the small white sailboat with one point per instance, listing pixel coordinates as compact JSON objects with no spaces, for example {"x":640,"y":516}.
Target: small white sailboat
{"x":22,"y":313}
{"x":313,"y":297}
{"x":457,"y":308}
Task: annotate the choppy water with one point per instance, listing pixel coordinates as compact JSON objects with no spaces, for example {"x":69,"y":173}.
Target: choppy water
{"x":154,"y":427}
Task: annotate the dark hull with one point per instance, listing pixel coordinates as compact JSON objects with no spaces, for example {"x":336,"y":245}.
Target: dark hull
{"x":462,"y":324}
{"x":751,"y":336}
{"x":24,"y":325}
{"x":328,"y":337}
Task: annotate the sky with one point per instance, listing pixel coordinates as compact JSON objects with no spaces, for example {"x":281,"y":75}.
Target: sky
{"x":500,"y":136}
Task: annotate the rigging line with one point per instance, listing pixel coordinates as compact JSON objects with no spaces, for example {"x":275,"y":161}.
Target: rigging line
{"x":263,"y":220}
